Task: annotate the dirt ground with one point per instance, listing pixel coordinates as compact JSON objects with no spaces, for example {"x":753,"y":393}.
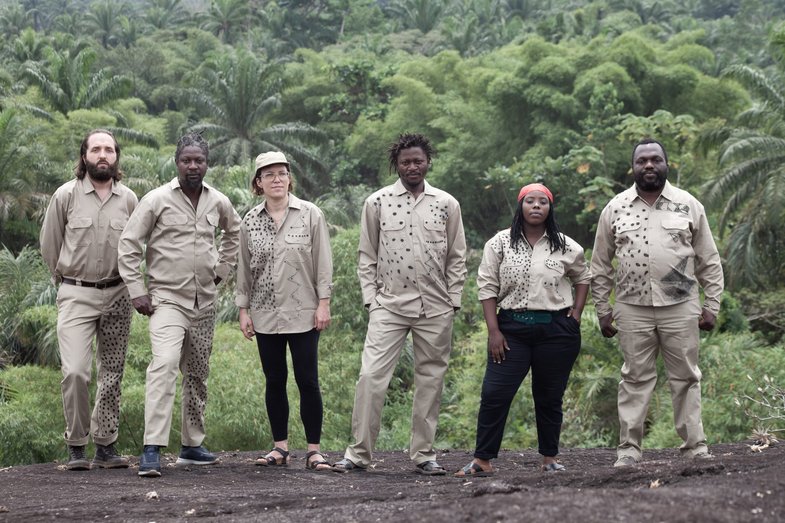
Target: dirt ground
{"x":737,"y":485}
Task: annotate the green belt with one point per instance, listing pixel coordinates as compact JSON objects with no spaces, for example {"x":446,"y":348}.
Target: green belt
{"x":528,"y":317}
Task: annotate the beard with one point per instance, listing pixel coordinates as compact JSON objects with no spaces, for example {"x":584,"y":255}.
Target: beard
{"x":102,"y":173}
{"x":651,"y":186}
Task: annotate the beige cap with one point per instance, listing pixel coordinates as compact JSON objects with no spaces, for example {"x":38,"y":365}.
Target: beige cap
{"x":270,"y":158}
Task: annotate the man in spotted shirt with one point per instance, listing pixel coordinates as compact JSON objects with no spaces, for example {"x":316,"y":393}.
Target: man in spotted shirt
{"x":412,"y":267}
{"x":79,"y":239}
{"x":665,"y":251}
{"x":178,"y":222}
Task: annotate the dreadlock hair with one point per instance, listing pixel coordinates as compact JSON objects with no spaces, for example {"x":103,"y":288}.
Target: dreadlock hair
{"x":555,"y":236}
{"x":407,"y":141}
{"x":80,"y":169}
{"x":647,"y":141}
{"x":189,"y":139}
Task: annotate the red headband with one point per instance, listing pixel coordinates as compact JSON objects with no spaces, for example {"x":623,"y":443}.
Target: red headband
{"x":526,"y":189}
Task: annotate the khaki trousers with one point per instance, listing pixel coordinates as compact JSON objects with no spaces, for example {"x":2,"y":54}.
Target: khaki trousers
{"x":181,"y":340}
{"x":387,"y":331}
{"x":643,"y":333}
{"x":84,"y":313}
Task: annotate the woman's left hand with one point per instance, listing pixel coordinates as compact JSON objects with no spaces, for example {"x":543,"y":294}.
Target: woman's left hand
{"x":246,"y":324}
{"x":321,"y":319}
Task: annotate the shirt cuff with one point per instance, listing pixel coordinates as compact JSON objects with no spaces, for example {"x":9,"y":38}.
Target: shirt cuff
{"x":455,"y":299}
{"x":222,"y":271}
{"x":712,"y":305}
{"x":603,"y":310}
{"x":242,"y":301}
{"x":136,"y":290}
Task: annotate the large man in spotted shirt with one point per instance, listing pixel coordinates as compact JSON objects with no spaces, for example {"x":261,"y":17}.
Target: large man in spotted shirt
{"x":665,"y":251}
{"x":412,"y":267}
{"x":79,"y":239}
{"x":177,"y":223}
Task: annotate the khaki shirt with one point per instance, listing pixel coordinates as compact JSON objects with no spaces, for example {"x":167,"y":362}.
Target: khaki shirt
{"x":182,"y":260}
{"x":80,"y":232}
{"x":412,"y":251}
{"x":663,"y":251}
{"x":284,"y":271}
{"x":531,"y":278}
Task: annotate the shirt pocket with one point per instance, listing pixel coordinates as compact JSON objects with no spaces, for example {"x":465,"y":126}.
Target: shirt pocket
{"x":79,"y":231}
{"x":627,"y":231}
{"x":436,"y":237}
{"x":116,"y":226}
{"x":677,"y":230}
{"x":393,"y":236}
{"x":213,"y":220}
{"x":298,"y":242}
{"x":173,"y":219}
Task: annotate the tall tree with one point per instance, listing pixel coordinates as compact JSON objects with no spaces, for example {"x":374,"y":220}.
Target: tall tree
{"x":226,"y":18}
{"x":67,"y":82}
{"x":237,"y":97}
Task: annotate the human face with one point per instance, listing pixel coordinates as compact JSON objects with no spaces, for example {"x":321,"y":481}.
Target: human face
{"x":536,"y":206}
{"x":191,"y":167}
{"x":274,"y":181}
{"x":649,"y":167}
{"x":100,"y":158}
{"x":412,"y":166}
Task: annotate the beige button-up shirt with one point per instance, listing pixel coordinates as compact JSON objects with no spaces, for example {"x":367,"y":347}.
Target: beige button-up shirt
{"x":663,"y":252}
{"x":412,"y":251}
{"x":284,"y":271}
{"x":531,"y":278}
{"x":80,"y":232}
{"x":182,"y":260}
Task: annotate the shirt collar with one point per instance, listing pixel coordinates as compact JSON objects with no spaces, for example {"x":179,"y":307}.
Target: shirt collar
{"x":87,"y":184}
{"x":400,"y":190}
{"x":668,"y":192}
{"x":175,"y":184}
{"x":294,"y":203}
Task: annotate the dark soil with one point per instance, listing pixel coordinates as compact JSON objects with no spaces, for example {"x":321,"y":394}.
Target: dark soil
{"x":737,"y":485}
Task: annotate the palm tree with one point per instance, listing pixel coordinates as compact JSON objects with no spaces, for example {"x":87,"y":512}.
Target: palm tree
{"x":225,"y":18}
{"x":14,"y":19}
{"x":103,"y":19}
{"x":424,"y":15}
{"x":237,"y":98}
{"x":750,"y":186}
{"x":66,"y":80}
{"x":164,"y":14}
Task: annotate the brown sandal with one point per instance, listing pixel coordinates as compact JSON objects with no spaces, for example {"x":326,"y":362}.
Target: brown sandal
{"x":315,"y":464}
{"x":272,"y":461}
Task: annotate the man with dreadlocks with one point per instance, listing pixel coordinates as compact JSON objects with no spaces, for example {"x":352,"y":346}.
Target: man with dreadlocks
{"x":412,"y":266}
{"x":79,"y":245}
{"x":538,"y":279}
{"x":178,"y":223}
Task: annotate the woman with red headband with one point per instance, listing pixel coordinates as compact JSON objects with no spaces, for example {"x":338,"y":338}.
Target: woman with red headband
{"x":538,"y":278}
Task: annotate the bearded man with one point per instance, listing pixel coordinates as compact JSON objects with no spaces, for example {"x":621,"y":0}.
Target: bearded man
{"x":665,"y":251}
{"x":79,"y":240}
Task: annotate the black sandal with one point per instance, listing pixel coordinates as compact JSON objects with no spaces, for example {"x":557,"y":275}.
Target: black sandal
{"x":272,"y":461}
{"x":314,"y":465}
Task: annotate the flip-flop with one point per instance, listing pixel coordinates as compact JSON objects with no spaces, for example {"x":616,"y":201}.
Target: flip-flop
{"x":474,"y":470}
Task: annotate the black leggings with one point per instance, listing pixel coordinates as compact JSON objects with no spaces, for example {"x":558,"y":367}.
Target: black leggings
{"x":549,"y":350}
{"x":304,"y":348}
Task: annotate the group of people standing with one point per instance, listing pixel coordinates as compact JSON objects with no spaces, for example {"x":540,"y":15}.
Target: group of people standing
{"x":112,"y":254}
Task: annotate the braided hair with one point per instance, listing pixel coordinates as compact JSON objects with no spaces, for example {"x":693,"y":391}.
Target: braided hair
{"x":555,"y":236}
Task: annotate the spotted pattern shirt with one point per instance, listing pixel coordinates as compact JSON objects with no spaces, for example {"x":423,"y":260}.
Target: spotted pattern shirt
{"x":530,"y":277}
{"x":663,"y":252}
{"x":284,"y":271}
{"x":412,"y":251}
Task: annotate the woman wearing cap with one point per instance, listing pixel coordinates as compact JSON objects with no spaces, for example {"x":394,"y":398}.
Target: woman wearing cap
{"x":539,"y":279}
{"x":284,"y":281}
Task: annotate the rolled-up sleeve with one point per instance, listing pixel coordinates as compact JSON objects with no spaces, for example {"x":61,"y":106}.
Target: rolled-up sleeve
{"x":488,"y":273}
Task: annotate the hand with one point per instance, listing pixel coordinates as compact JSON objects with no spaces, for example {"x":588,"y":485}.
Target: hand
{"x":217,"y":280}
{"x":576,"y":315}
{"x":606,"y":326}
{"x":143,"y":305}
{"x":246,"y":324}
{"x":321,"y":319}
{"x":497,"y":345}
{"x":707,"y":320}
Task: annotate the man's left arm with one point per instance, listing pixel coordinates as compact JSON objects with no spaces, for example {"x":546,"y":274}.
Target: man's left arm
{"x":708,"y":269}
{"x":455,"y":266}
{"x":229,"y":222}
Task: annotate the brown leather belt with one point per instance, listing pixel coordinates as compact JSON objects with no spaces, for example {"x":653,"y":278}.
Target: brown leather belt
{"x":96,"y":284}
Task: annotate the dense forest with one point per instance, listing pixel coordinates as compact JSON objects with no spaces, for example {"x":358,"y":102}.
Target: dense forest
{"x":509,"y":91}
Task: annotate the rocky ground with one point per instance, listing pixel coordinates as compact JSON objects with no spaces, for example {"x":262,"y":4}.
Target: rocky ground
{"x":737,"y":485}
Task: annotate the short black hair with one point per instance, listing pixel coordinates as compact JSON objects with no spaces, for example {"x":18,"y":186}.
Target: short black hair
{"x":647,"y":141}
{"x":407,"y":141}
{"x":192,"y":139}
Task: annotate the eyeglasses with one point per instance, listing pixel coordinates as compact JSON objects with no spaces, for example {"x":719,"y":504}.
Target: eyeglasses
{"x":270,"y":176}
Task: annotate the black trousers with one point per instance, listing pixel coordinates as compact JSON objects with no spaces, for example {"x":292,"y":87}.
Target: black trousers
{"x":550,"y":350}
{"x":304,"y":348}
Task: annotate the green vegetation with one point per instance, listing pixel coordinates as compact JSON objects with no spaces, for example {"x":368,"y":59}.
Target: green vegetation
{"x":509,"y":91}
